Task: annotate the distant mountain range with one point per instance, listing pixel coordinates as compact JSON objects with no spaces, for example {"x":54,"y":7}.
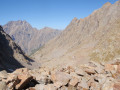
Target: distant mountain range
{"x":28,"y":38}
{"x":96,"y":37}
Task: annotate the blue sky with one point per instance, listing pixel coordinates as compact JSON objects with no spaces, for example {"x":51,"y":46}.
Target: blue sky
{"x":51,"y":13}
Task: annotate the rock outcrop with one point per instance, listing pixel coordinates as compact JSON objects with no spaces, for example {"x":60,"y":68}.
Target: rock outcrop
{"x":28,"y":38}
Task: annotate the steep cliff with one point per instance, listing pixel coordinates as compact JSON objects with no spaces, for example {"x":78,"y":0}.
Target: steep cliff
{"x":11,"y":55}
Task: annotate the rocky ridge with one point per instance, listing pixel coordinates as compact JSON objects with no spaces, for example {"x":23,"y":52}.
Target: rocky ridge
{"x":95,"y":37}
{"x":91,"y":76}
{"x":28,"y":38}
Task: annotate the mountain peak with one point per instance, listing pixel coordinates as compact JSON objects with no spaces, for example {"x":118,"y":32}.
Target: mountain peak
{"x":47,"y":28}
{"x":18,"y":22}
{"x":28,"y":37}
{"x":107,"y":4}
{"x":75,"y":19}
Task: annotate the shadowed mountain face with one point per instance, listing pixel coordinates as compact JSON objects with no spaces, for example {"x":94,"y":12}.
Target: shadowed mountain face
{"x":27,"y":37}
{"x":96,"y":36}
{"x":11,"y":55}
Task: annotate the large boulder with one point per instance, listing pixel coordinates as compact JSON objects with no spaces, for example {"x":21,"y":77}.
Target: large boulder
{"x":12,"y":81}
{"x":83,"y":84}
{"x":74,"y":81}
{"x":42,"y":79}
{"x":3,"y":74}
{"x":90,"y":71}
{"x":42,"y":75}
{"x":80,"y":72}
{"x":108,"y":85}
{"x":24,"y":80}
{"x":60,"y":78}
{"x":19,"y":79}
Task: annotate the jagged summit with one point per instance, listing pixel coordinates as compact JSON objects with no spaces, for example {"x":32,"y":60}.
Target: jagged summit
{"x":48,"y":29}
{"x":18,"y":22}
{"x":75,"y":19}
{"x":107,"y":4}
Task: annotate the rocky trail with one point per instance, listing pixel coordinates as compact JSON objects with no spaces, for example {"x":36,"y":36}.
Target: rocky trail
{"x":91,"y":76}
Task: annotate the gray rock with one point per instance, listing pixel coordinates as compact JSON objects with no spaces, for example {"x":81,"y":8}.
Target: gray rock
{"x":60,"y":78}
{"x":43,"y":79}
{"x":83,"y":83}
{"x":3,"y":86}
{"x":90,"y":71}
{"x":74,"y":81}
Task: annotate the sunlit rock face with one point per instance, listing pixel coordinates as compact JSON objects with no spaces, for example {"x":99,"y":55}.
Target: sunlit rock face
{"x":95,"y":37}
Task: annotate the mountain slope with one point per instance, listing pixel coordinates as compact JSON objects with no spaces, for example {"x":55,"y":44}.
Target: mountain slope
{"x":29,"y":38}
{"x":11,"y":55}
{"x":81,"y":38}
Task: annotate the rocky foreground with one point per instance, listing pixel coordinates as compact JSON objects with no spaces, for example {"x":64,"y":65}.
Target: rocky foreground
{"x":91,"y":76}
